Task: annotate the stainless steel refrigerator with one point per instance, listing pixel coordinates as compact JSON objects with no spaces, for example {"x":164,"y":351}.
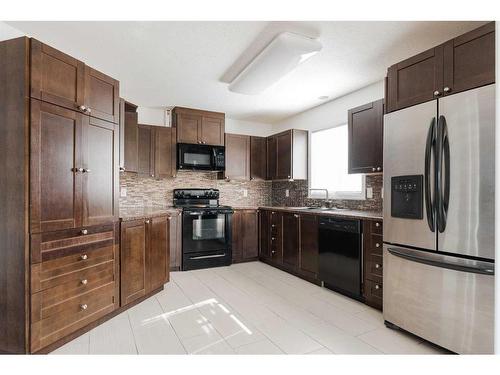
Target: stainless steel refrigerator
{"x":439,"y":220}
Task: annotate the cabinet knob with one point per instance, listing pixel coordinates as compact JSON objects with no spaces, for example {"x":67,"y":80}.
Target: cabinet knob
{"x":289,"y":176}
{"x":88,"y":110}
{"x":84,"y":282}
{"x":86,"y":170}
{"x":378,"y":266}
{"x":147,"y":221}
{"x":377,"y":224}
{"x":82,"y":108}
{"x":273,"y":225}
{"x":84,"y":231}
{"x":295,"y":215}
{"x":84,"y":306}
{"x":379,"y":168}
{"x":273,"y":252}
{"x":273,"y":238}
{"x":377,"y":245}
{"x":77,"y":169}
{"x":169,"y":218}
{"x":377,"y":286}
{"x":437,"y":93}
{"x":446,"y":89}
{"x":374,"y":169}
{"x":83,"y":257}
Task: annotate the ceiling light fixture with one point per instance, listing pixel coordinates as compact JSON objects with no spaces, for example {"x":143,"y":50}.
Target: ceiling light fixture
{"x":285,"y":52}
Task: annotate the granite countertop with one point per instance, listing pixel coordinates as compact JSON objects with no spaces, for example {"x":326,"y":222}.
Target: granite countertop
{"x":141,"y":212}
{"x":347,"y":213}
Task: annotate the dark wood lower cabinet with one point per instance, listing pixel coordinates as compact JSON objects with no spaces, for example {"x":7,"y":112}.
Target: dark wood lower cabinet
{"x":264,"y":234}
{"x":308,"y":262}
{"x":372,"y":263}
{"x":175,"y":241}
{"x":291,"y":240}
{"x":245,"y":235}
{"x":144,"y":257}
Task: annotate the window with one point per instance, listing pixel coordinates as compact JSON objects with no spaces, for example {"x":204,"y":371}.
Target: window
{"x":328,"y":166}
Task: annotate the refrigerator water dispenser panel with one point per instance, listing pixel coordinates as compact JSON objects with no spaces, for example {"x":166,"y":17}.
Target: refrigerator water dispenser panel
{"x":407,"y":197}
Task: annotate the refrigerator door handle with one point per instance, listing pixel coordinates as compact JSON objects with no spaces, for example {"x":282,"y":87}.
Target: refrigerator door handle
{"x":429,"y":149}
{"x":442,"y":174}
{"x":463,"y":265}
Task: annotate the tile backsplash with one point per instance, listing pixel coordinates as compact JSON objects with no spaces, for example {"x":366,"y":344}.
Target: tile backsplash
{"x":147,"y":191}
{"x":298,"y":195}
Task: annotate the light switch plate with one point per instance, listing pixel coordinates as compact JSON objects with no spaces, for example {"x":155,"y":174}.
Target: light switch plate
{"x":369,"y":193}
{"x":287,"y":193}
{"x":123,"y":192}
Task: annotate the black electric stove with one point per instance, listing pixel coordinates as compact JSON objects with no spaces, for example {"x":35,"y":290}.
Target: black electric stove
{"x":206,"y":228}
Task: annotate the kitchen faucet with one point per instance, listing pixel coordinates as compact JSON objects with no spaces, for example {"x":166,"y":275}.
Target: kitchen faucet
{"x":327,"y":200}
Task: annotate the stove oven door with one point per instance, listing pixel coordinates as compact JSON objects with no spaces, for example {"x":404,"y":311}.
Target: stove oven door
{"x":206,"y":239}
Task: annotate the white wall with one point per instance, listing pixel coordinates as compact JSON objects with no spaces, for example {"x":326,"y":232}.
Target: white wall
{"x":333,"y":112}
{"x":151,"y":116}
{"x":8,"y":32}
{"x":248,"y":127}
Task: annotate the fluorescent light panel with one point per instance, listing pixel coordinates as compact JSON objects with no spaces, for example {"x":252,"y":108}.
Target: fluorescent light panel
{"x":285,"y":52}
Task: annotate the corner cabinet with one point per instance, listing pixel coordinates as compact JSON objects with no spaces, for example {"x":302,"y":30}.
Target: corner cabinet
{"x":237,"y":157}
{"x":245,"y":237}
{"x":366,"y":138}
{"x":287,"y":155}
{"x":463,"y":63}
{"x":196,"y":126}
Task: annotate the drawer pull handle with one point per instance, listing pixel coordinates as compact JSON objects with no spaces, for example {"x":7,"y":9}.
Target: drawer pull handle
{"x":273,"y":238}
{"x":378,"y":266}
{"x":84,"y":306}
{"x":377,"y":224}
{"x":147,"y":221}
{"x":83,"y":257}
{"x":377,"y":286}
{"x":84,"y":231}
{"x":377,"y":245}
{"x":273,"y":252}
{"x":84,"y":282}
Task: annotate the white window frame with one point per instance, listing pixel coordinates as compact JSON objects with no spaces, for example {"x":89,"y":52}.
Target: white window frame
{"x":339,"y":195}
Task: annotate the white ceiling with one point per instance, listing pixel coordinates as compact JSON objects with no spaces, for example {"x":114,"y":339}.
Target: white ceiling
{"x":186,"y":63}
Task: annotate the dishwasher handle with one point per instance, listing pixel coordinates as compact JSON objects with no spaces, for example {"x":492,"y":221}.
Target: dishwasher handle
{"x":340,"y":225}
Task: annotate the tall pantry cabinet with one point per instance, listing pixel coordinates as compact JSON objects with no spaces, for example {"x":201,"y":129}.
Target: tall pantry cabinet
{"x":58,"y":196}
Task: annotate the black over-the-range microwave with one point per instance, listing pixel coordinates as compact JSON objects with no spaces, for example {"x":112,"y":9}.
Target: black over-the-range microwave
{"x":200,"y":157}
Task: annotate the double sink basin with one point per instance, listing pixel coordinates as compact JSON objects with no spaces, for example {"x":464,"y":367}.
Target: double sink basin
{"x":319,"y":208}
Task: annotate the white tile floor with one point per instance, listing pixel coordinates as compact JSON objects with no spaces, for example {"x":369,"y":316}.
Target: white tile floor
{"x":248,"y":308}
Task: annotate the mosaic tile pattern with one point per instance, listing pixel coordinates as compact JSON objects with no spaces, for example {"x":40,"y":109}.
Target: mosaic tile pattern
{"x":298,"y":195}
{"x":147,"y":191}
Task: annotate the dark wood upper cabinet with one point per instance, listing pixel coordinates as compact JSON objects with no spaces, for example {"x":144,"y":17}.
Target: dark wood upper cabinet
{"x":130,"y":142}
{"x":56,"y":78}
{"x":258,"y":158}
{"x":308,"y":262}
{"x":245,"y":236}
{"x":158,"y":254}
{"x":290,"y":238}
{"x":287,"y":155}
{"x":469,"y":60}
{"x":415,"y":80}
{"x":133,"y":260}
{"x":100,"y":172}
{"x":145,"y":151}
{"x":463,"y":63}
{"x":164,"y":152}
{"x":56,"y":162}
{"x":365,"y":137}
{"x":237,"y":157}
{"x":101,"y":95}
{"x":199,"y":127}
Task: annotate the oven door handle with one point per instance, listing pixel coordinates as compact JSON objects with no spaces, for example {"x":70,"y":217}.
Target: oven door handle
{"x":208,"y":256}
{"x":196,"y":213}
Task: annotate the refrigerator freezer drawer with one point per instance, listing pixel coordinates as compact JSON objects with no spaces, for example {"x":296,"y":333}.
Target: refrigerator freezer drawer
{"x":443,"y":299}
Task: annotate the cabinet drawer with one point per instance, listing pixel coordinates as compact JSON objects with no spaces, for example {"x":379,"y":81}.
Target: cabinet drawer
{"x":57,"y":321}
{"x":373,"y":294}
{"x":375,"y":244}
{"x":376,"y":227}
{"x":374,"y":269}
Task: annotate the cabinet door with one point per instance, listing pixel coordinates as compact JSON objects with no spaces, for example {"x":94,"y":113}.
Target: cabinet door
{"x":365,"y":133}
{"x":130,"y":144}
{"x":237,"y":157}
{"x":212,"y":130}
{"x":415,"y":80}
{"x":258,"y":158}
{"x":100,"y":172}
{"x":133,"y":260}
{"x":264,"y":234}
{"x":290,"y":240}
{"x":56,"y":156}
{"x":101,"y":95}
{"x":164,"y":152}
{"x":145,"y":153}
{"x":308,"y":262}
{"x":157,"y":253}
{"x":175,"y":238}
{"x":237,"y":236}
{"x":284,"y":155}
{"x":469,"y":60}
{"x":56,"y":78}
{"x":188,"y":128}
{"x":249,"y":234}
{"x":271,"y":158}
{"x":276,"y":248}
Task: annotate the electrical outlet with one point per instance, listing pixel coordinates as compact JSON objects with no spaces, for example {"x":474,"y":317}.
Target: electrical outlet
{"x":123,"y":192}
{"x":245,"y":192}
{"x":287,"y":193}
{"x":369,"y":193}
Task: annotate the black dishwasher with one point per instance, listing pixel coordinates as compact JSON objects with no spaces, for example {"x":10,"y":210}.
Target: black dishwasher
{"x":340,"y":255}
